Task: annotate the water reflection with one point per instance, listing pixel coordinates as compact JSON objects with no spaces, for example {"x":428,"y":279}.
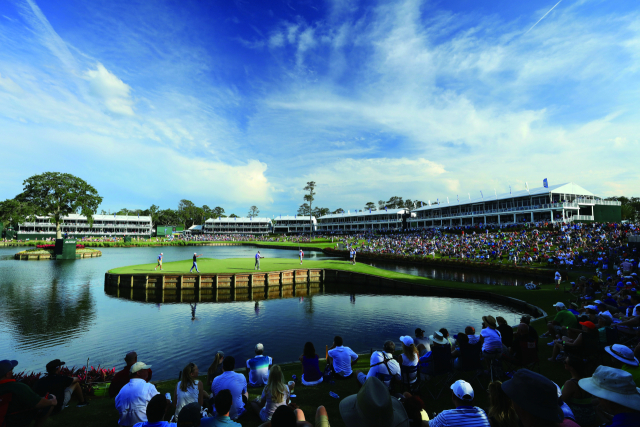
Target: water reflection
{"x":46,"y":315}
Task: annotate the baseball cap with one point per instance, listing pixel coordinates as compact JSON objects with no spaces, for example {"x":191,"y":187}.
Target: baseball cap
{"x":559,"y":305}
{"x":462,"y":390}
{"x":419,"y":331}
{"x":598,"y":301}
{"x":6,"y":366}
{"x":195,"y":253}
{"x":406,"y":340}
{"x":51,"y":366}
{"x":139,"y":366}
{"x":589,"y":324}
{"x":259,"y":347}
{"x":591,"y":307}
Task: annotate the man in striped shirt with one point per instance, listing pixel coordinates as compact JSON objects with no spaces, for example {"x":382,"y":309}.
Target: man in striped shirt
{"x":464,"y":414}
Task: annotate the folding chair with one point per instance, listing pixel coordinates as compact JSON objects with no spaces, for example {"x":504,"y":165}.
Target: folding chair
{"x":470,"y":360}
{"x":440,"y":366}
{"x":410,"y":377}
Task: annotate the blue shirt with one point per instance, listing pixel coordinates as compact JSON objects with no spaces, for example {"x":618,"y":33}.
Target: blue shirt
{"x":468,"y":416}
{"x":237,"y":384}
{"x":220,"y":420}
{"x":257,"y":256}
{"x":259,"y":370}
{"x":626,"y":419}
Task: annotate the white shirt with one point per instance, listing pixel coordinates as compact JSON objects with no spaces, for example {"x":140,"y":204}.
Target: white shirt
{"x":492,"y":340}
{"x":132,"y":401}
{"x":237,"y":384}
{"x":259,"y":370}
{"x":380,"y":370}
{"x":185,"y":397}
{"x":342,"y":357}
{"x":558,"y":276}
{"x":424,"y":341}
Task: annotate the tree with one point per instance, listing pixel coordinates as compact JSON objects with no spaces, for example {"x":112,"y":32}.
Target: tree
{"x":218,"y":212}
{"x":370,"y":206}
{"x":188,"y":212}
{"x":233,"y":216}
{"x":123,"y":211}
{"x":408,"y":204}
{"x":59,"y":194}
{"x":303,"y":210}
{"x":338,"y":211}
{"x":395,"y":202}
{"x":381,"y":204}
{"x":13,"y":211}
{"x":253,"y":211}
{"x":320,"y":212}
{"x":310,"y":187}
{"x":153,"y":213}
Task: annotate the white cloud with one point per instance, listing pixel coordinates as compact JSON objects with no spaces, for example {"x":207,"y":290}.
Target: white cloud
{"x":9,"y":85}
{"x":111,"y":90}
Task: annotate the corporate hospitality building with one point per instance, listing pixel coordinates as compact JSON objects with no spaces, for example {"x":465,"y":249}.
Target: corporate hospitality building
{"x":388,"y":219}
{"x":563,"y":202}
{"x":237,"y":226}
{"x":294,"y":224}
{"x":78,"y":226}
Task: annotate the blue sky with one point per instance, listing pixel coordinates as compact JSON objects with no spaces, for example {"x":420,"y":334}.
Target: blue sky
{"x":239,"y":103}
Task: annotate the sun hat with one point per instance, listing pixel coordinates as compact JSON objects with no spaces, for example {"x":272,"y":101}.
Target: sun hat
{"x":535,"y":394}
{"x":438,"y":338}
{"x":462,"y":390}
{"x":259,"y":347}
{"x":559,"y":305}
{"x":406,"y":340}
{"x":373,"y":407}
{"x":6,"y":366}
{"x":589,"y":324}
{"x":490,"y":320}
{"x":138,"y":366}
{"x":614,"y":385}
{"x":622,"y":353}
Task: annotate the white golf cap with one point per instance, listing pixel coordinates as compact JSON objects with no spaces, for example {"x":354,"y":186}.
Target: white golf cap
{"x":259,"y":347}
{"x":462,"y":390}
{"x":139,"y":366}
{"x":406,"y":340}
{"x":559,"y":305}
{"x":160,"y":253}
{"x":591,"y":307}
{"x":195,"y":253}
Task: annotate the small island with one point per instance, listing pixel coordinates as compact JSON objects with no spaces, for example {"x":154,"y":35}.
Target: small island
{"x":48,"y":252}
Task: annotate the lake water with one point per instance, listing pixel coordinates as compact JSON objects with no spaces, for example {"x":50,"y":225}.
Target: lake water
{"x":60,"y":309}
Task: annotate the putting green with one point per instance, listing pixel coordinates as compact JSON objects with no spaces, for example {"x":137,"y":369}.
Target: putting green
{"x":246,"y":265}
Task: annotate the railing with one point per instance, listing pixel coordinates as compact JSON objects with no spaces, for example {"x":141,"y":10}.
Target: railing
{"x":502,"y":210}
{"x":582,"y":218}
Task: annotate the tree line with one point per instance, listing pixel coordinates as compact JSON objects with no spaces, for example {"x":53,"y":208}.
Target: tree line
{"x":394,"y":202}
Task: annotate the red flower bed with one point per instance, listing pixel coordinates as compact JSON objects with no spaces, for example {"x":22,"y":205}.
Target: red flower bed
{"x":86,"y":379}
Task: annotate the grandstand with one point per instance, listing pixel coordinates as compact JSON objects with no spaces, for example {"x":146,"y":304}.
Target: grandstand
{"x":294,"y":224}
{"x":237,"y":225}
{"x":564,"y":202}
{"x":388,"y":219}
{"x":78,"y":226}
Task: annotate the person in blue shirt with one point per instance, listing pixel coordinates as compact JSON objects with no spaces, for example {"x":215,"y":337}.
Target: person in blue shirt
{"x":195,"y":264}
{"x":159,"y":262}
{"x":257,"y":265}
{"x":222,"y":403}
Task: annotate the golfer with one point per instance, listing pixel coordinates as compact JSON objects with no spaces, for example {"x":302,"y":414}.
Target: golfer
{"x":195,"y":264}
{"x":159,"y":262}
{"x":301,"y":256}
{"x":258,"y":256}
{"x":354,"y":255}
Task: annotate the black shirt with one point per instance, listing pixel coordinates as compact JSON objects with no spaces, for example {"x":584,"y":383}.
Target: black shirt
{"x":54,"y":384}
{"x":194,"y":258}
{"x":506,"y":332}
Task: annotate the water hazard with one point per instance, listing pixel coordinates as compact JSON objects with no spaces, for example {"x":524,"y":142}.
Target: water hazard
{"x":60,"y":309}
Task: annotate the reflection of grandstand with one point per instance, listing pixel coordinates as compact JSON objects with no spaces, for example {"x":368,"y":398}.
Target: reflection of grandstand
{"x":564,"y":202}
{"x":237,"y":225}
{"x":294,"y":224}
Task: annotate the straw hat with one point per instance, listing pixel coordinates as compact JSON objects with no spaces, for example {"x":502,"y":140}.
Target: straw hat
{"x":489,"y":320}
{"x":622,"y":353}
{"x":438,"y":338}
{"x":614,"y":385}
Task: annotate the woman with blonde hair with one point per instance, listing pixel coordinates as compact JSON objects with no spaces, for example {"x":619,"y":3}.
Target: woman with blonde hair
{"x":409,"y":360}
{"x":215,"y":369}
{"x":501,"y":412}
{"x":276,"y":393}
{"x":189,"y":389}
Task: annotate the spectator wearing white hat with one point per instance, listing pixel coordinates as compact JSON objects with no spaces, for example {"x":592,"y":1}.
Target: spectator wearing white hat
{"x":132,"y":400}
{"x":564,"y":319}
{"x":622,"y":357}
{"x":617,"y":393}
{"x":464,"y":413}
{"x":383,"y":366}
{"x":259,"y":366}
